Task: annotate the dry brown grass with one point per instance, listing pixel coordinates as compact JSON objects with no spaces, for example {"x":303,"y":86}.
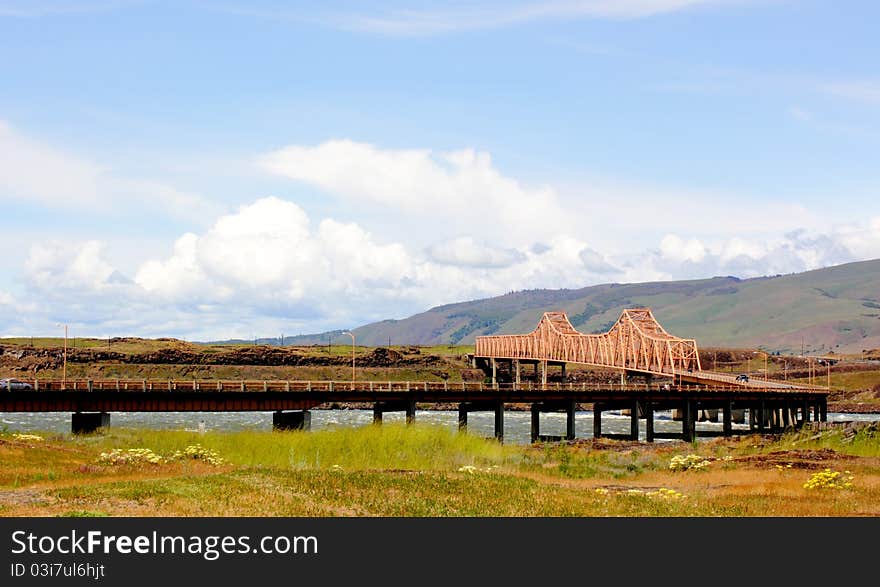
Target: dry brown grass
{"x":750,"y":476}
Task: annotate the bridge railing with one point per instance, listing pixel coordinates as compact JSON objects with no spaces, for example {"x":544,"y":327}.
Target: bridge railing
{"x":293,"y":386}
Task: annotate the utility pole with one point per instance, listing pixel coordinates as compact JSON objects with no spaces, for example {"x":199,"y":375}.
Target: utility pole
{"x":351,"y":334}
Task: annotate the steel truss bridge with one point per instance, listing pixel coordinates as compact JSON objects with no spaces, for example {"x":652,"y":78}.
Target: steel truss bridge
{"x":636,"y":344}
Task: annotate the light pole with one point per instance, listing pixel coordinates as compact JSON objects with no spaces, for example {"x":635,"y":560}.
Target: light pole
{"x":766,"y":372}
{"x":351,"y":334}
{"x":64,"y":371}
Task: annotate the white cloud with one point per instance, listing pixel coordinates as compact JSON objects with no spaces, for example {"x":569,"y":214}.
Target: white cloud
{"x":268,"y":255}
{"x":677,"y":249}
{"x":862,"y":90}
{"x":30,"y":170}
{"x":42,"y":8}
{"x":34,"y":172}
{"x":57,"y":265}
{"x":467,"y":252}
{"x":268,"y":266}
{"x":597,"y":263}
{"x":462,"y":187}
{"x":404,"y":21}
{"x":801,"y":114}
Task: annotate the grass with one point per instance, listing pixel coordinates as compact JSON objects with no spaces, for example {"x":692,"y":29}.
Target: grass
{"x":852,"y":381}
{"x":394,"y":470}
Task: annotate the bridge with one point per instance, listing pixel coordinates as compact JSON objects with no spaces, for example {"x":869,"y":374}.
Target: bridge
{"x":636,"y":344}
{"x":91,"y":401}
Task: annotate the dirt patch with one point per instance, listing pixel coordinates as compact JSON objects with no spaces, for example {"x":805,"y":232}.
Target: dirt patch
{"x":24,"y":497}
{"x":795,"y":459}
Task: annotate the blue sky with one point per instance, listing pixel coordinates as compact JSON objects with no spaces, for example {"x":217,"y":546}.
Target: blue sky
{"x":220,"y":169}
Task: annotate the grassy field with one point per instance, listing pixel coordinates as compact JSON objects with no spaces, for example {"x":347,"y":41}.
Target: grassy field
{"x":133,"y":345}
{"x":430,"y":471}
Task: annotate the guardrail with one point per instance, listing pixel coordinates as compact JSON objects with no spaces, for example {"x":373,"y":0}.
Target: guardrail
{"x":277,"y":385}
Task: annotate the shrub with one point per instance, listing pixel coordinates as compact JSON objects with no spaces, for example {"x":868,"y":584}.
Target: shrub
{"x":130,"y":456}
{"x":829,"y":479}
{"x":689,"y":462}
{"x":197,"y":452}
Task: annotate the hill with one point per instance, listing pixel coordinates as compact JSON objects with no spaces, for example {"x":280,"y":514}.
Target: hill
{"x":831,"y":309}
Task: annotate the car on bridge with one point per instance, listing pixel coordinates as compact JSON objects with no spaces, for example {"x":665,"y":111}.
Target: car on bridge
{"x":11,"y":384}
{"x":742,"y":377}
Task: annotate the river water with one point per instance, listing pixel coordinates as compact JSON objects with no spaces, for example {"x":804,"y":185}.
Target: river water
{"x":517,"y":425}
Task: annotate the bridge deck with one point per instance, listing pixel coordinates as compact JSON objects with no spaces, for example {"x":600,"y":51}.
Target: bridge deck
{"x":92,"y":401}
{"x":210,"y":395}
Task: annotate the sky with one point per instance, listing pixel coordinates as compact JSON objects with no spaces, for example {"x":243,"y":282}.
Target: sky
{"x":213,"y":170}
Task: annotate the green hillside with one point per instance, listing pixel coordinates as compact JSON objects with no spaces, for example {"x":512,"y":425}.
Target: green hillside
{"x":835,"y":308}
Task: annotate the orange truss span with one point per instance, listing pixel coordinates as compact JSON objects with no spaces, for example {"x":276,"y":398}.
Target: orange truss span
{"x":636,"y":342}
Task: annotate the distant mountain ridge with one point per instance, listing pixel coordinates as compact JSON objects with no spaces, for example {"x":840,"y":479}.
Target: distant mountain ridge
{"x":835,"y":308}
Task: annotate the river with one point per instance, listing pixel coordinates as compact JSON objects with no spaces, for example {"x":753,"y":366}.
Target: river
{"x":517,"y":425}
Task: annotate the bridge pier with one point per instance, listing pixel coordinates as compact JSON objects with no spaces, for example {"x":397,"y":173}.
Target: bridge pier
{"x":544,"y":373}
{"x":494,"y":371}
{"x":485,"y":406}
{"x":634,"y":421}
{"x":597,"y":420}
{"x":648,"y":409}
{"x":379,"y":408}
{"x":568,"y":407}
{"x":563,"y":372}
{"x":689,"y":421}
{"x":727,"y":418}
{"x":89,"y":422}
{"x":516,"y":372}
{"x":294,"y":420}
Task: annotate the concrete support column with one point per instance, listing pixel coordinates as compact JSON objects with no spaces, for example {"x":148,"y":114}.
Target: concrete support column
{"x":634,"y":420}
{"x":762,"y":417}
{"x":727,"y":419}
{"x":377,"y":414}
{"x":295,"y":420}
{"x":569,"y":420}
{"x":89,"y":422}
{"x":462,"y":418}
{"x":823,"y":410}
{"x":597,"y":420}
{"x":410,"y":412}
{"x":648,"y":409}
{"x":494,"y":370}
{"x":805,"y":411}
{"x":786,"y":415}
{"x":688,"y":421}
{"x":536,"y":423}
{"x":499,"y":421}
{"x":753,"y":419}
{"x":516,"y":374}
{"x":563,"y":372}
{"x":543,"y":372}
